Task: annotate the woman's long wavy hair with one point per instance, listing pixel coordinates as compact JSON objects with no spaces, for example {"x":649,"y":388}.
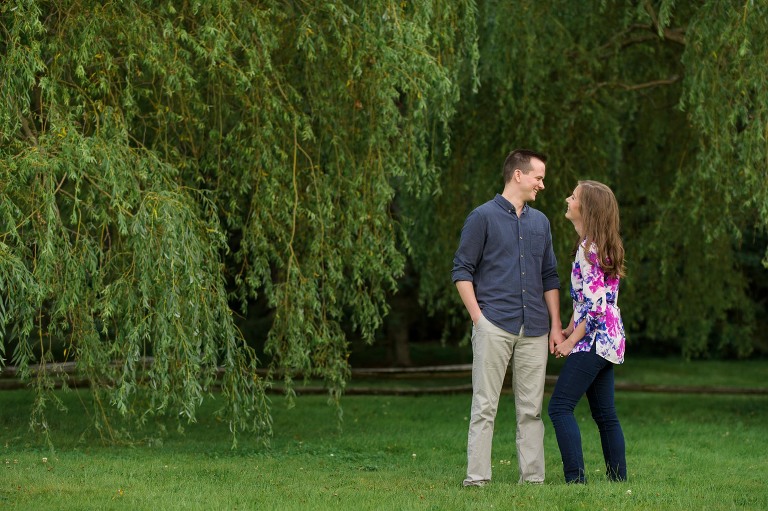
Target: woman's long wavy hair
{"x":600,"y":217}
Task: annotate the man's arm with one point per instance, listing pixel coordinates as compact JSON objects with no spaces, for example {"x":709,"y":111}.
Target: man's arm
{"x":552,"y":297}
{"x":467,"y":294}
{"x":466,"y":259}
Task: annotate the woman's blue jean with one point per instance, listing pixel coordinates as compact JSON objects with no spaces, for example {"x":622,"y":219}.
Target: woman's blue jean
{"x":587,"y":373}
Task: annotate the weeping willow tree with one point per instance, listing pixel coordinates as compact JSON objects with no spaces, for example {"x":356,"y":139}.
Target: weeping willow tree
{"x":164,"y":163}
{"x":664,"y":101}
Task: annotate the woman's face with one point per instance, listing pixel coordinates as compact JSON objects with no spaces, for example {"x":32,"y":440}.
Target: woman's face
{"x":573,"y":212}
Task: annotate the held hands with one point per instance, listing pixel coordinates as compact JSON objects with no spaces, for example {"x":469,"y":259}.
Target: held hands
{"x":556,"y":337}
{"x":564,"y":347}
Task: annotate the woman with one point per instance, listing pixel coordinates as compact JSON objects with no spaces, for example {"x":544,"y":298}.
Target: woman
{"x":594,"y":336}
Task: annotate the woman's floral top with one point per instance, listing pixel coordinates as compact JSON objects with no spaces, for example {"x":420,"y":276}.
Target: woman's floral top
{"x":594,"y":301}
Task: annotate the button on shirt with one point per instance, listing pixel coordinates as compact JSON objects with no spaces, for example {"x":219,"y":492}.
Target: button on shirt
{"x":511,"y":263}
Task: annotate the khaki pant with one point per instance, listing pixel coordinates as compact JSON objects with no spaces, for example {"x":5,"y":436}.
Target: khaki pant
{"x":492,"y":350}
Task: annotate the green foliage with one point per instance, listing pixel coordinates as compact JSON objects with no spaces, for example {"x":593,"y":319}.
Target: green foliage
{"x":663,"y":101}
{"x":163,"y":165}
{"x":162,"y":160}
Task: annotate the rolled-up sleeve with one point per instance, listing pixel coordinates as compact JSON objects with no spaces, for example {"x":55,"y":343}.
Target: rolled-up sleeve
{"x":590,"y":309}
{"x":470,"y":250}
{"x":594,"y":290}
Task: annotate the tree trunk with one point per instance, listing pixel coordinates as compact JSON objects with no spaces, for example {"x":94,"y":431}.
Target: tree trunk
{"x":398,"y":331}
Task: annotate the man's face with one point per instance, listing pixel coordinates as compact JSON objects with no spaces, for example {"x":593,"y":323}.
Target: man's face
{"x":532,"y":182}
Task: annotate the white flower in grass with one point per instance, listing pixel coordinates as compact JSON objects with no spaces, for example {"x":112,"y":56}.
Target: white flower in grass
{"x":45,"y":460}
{"x":413,"y":455}
{"x":629,"y":492}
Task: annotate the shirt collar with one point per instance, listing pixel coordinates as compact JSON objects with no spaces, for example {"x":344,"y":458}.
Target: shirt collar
{"x":504,"y":203}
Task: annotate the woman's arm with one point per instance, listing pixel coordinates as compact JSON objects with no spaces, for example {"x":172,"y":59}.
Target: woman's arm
{"x":568,"y":330}
{"x":595,"y":292}
{"x":577,"y":334}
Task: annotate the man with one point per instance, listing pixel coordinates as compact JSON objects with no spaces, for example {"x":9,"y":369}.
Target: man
{"x":506,"y":274}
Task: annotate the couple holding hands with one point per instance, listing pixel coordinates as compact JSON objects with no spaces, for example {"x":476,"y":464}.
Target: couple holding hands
{"x":506,"y":274}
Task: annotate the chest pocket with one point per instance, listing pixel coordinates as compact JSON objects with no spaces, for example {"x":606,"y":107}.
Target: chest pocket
{"x":537,"y":244}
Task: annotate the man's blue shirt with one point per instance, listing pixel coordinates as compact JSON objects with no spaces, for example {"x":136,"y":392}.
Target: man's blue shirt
{"x":511,"y":263}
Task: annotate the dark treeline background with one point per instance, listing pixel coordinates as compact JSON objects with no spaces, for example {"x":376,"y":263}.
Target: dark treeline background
{"x":281,"y":184}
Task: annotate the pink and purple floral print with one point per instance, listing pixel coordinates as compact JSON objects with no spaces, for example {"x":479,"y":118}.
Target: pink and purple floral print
{"x":594,"y":301}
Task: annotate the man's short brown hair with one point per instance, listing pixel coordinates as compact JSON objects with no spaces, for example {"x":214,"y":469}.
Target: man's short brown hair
{"x":520,"y":159}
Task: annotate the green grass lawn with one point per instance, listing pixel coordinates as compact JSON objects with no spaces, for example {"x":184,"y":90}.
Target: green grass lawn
{"x":684,"y":451}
